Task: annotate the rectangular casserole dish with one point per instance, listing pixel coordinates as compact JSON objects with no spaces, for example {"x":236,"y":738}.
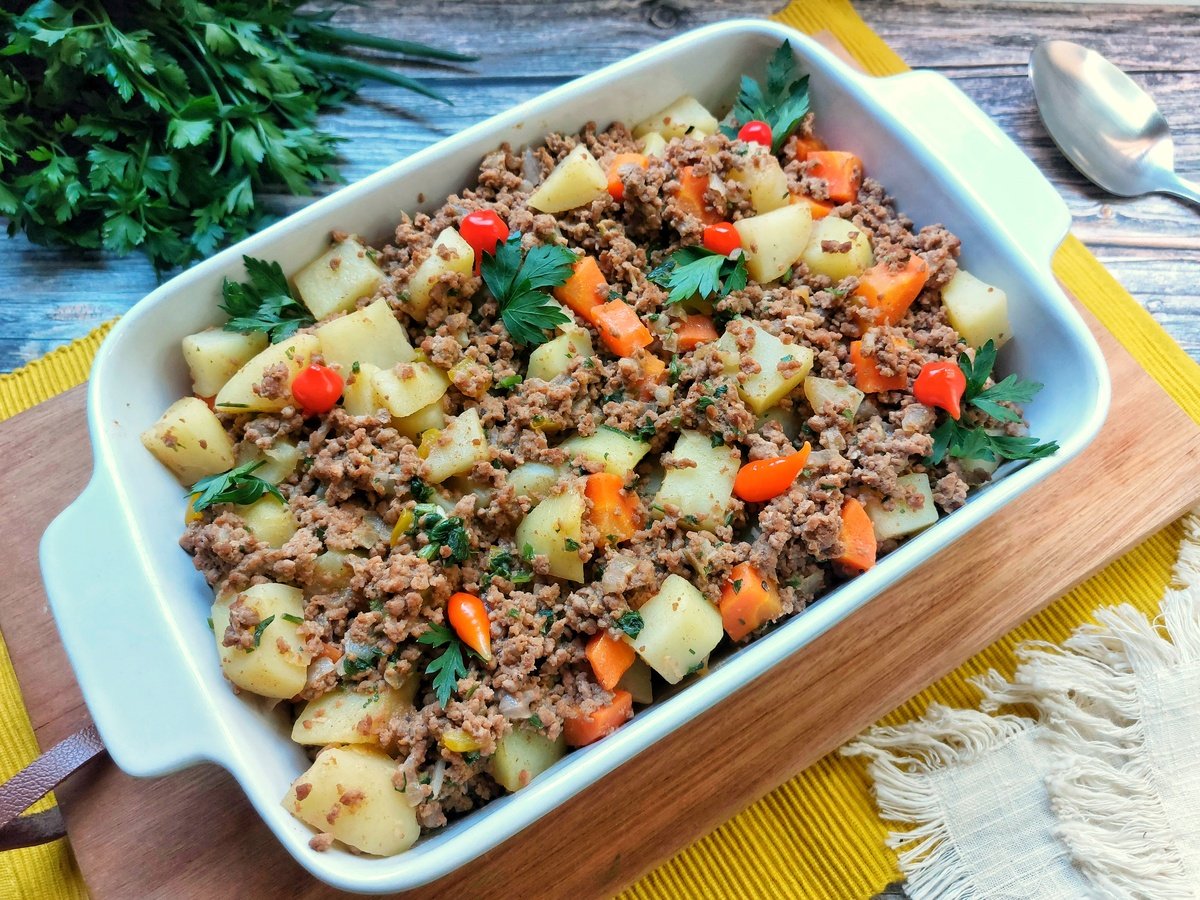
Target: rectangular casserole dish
{"x":117,"y":580}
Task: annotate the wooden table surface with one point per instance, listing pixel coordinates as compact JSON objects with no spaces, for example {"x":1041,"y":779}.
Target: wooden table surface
{"x":48,"y":297}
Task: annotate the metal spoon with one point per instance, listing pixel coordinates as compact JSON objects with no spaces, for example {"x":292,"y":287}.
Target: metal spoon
{"x":1108,"y":127}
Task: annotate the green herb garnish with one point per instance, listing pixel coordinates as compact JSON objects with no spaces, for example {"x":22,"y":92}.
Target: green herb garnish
{"x":519,"y":284}
{"x":238,"y":485}
{"x":504,"y":565}
{"x":442,"y":531}
{"x":295,"y":620}
{"x":783,"y":104}
{"x":260,"y":628}
{"x":699,"y":272}
{"x":508,"y":382}
{"x":364,"y":660}
{"x":631,"y":623}
{"x":420,"y":490}
{"x":264,"y":303}
{"x":447,"y":668}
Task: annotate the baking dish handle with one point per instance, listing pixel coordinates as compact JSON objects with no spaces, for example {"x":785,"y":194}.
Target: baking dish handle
{"x":995,"y":172}
{"x":150,"y":711}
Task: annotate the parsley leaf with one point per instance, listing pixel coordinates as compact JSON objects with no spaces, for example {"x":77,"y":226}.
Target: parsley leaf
{"x":360,"y":659}
{"x":442,"y":531}
{"x":631,"y":623}
{"x":697,"y":271}
{"x":238,"y":485}
{"x":260,"y":628}
{"x":264,"y":303}
{"x":449,"y":667}
{"x":782,"y":105}
{"x":519,"y":284}
{"x":504,"y":565}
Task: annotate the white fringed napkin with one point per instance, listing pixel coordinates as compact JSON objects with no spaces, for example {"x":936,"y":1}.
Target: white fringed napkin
{"x":1099,"y":796}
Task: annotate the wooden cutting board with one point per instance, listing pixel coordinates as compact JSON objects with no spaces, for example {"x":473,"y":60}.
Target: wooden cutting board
{"x":193,"y":835}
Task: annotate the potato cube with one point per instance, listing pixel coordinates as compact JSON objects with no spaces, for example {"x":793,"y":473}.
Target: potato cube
{"x":450,"y":255}
{"x":276,"y":667}
{"x":553,"y":358}
{"x":349,"y":792}
{"x":836,"y":395}
{"x":332,"y":569}
{"x":371,"y":335}
{"x":431,"y":416}
{"x":702,"y":493}
{"x":359,"y":397}
{"x":337,"y":279}
{"x":977,"y":310}
{"x":343,"y":716}
{"x":617,"y":451}
{"x":654,"y":144}
{"x":765,"y":388}
{"x":836,"y":264}
{"x":293,"y":354}
{"x":214,"y":356}
{"x":458,"y":447}
{"x":903,"y":519}
{"x":409,"y":387}
{"x":269,"y":520}
{"x":533,"y":480}
{"x":764,"y":179}
{"x":684,"y":116}
{"x":637,"y":681}
{"x":190,"y":441}
{"x":523,"y":754}
{"x":773,"y":241}
{"x":680,"y":628}
{"x":576,"y":181}
{"x":554,"y":529}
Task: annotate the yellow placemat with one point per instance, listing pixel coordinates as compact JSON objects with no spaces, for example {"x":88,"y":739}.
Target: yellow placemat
{"x":817,"y":836}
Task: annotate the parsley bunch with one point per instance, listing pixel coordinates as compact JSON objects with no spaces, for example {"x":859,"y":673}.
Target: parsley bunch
{"x":783,"y":104}
{"x":698,"y":271}
{"x":264,"y":303}
{"x":154,"y":125}
{"x":238,"y":485}
{"x":956,"y":438}
{"x":519,"y":285}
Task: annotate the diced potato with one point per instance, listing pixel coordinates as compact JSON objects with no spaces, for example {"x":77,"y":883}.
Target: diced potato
{"x":370,"y":336}
{"x":637,"y":681}
{"x":425,"y":418}
{"x":277,"y":667}
{"x":553,"y":358}
{"x":278,"y":461}
{"x":269,"y":520}
{"x":653,"y":144}
{"x":343,"y":716}
{"x":214,"y":356}
{"x":680,"y":629}
{"x":332,"y":569}
{"x":774,"y":240}
{"x":575,"y":181}
{"x":702,"y":492}
{"x":822,"y":392}
{"x":294,"y":354}
{"x":765,"y":388}
{"x":523,"y":754}
{"x":685,"y":116}
{"x":765,"y":180}
{"x":903,"y":519}
{"x":338,"y":278}
{"x":190,"y":441}
{"x":458,"y":447}
{"x":410,"y":388}
{"x":359,"y":398}
{"x":976,"y":469}
{"x":837,"y":266}
{"x":378,"y":821}
{"x":554,"y":528}
{"x":450,"y":254}
{"x":976,"y":310}
{"x":617,"y":451}
{"x":533,"y":480}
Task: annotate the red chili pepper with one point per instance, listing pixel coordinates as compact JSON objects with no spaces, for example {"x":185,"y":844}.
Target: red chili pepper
{"x":941,"y":384}
{"x":483,"y":230}
{"x":755,"y":132}
{"x":763,"y":479}
{"x":722,"y":238}
{"x":317,"y":389}
{"x":469,"y":619}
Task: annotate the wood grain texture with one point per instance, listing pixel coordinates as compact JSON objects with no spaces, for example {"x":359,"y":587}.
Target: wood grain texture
{"x":166,"y":837}
{"x":1151,"y":244}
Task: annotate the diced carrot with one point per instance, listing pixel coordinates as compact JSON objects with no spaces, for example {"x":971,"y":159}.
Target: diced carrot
{"x":892,"y":291}
{"x":748,"y":600}
{"x":585,"y":289}
{"x":857,"y":537}
{"x":806,"y":145}
{"x":615,"y":512}
{"x":694,"y":330}
{"x":208,"y":401}
{"x":843,"y":173}
{"x":616,"y":187}
{"x":819,"y":208}
{"x":868,"y":378}
{"x":583,"y":730}
{"x":651,"y":376}
{"x":610,"y":659}
{"x":331,"y":652}
{"x":620,"y":328}
{"x":692,"y":187}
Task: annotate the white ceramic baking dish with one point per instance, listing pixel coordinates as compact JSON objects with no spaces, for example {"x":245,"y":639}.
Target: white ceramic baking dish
{"x":132,"y":610}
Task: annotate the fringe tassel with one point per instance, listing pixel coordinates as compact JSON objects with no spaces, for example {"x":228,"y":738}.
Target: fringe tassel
{"x":900,"y":761}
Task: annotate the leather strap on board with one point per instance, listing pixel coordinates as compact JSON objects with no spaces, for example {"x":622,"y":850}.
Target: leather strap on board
{"x":34,"y":782}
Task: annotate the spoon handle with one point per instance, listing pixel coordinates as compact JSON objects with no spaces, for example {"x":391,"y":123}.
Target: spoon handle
{"x":1182,"y":187}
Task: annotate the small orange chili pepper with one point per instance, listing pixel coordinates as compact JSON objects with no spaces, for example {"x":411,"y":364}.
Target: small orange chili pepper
{"x":469,"y":619}
{"x":766,"y":478}
{"x":941,"y":384}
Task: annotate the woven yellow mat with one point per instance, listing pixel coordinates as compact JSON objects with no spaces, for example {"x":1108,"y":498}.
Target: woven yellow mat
{"x":817,"y":836}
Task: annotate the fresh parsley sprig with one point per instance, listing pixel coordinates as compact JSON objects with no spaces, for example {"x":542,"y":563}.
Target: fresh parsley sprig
{"x":697,"y":271}
{"x":783,"y":104}
{"x":955,"y":438}
{"x":264,"y":303}
{"x":442,"y":531}
{"x":519,"y":285}
{"x":238,"y":485}
{"x":450,"y":666}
